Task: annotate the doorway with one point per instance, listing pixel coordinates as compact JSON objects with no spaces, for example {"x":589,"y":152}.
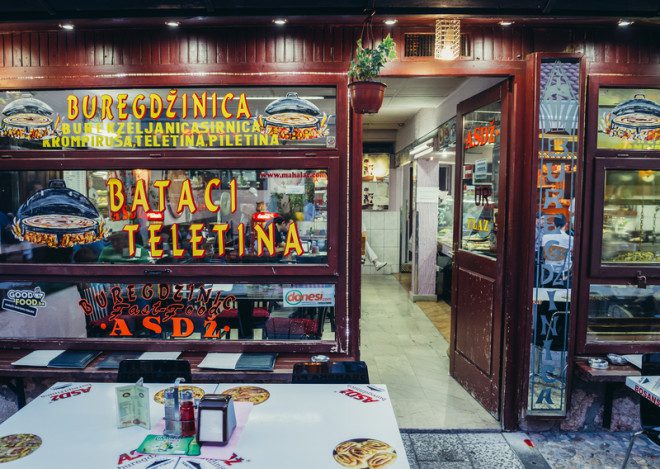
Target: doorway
{"x":406,"y":317}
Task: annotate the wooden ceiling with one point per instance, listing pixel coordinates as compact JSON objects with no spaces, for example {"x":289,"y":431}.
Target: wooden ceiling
{"x":35,"y":10}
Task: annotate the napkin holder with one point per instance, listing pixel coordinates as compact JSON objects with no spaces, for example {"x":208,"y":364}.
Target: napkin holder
{"x":216,"y":420}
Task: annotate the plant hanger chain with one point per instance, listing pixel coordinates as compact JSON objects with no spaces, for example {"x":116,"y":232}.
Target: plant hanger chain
{"x":368,"y":24}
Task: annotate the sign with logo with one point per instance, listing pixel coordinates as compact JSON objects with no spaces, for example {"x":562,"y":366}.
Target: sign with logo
{"x":168,"y":118}
{"x":298,"y":297}
{"x":24,"y":301}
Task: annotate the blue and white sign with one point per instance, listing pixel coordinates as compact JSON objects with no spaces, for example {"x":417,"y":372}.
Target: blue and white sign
{"x":308,"y":296}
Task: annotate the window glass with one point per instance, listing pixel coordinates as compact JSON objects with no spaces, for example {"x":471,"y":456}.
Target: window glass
{"x":150,"y":216}
{"x":481,"y":171}
{"x":628,"y":119}
{"x":631,"y":229}
{"x":168,"y":118}
{"x":623,"y":313}
{"x":167,"y":311}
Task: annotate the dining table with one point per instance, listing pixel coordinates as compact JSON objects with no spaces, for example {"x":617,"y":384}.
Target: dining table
{"x":646,"y":386}
{"x":74,"y":425}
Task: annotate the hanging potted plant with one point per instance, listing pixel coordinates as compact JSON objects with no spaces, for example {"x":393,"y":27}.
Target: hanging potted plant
{"x":367,"y":94}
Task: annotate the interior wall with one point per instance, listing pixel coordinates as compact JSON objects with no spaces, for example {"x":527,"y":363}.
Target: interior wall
{"x":428,"y":119}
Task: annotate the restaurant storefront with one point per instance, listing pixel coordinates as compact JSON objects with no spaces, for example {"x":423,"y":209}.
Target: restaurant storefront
{"x":200,"y":190}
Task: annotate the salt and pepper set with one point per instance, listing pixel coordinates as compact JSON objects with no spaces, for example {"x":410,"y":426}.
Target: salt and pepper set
{"x":179,"y":412}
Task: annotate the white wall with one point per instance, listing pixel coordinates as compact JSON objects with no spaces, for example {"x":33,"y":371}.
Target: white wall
{"x":383,"y":237}
{"x":428,"y":119}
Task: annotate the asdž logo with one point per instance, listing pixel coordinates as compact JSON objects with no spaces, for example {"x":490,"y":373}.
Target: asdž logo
{"x":363,"y":395}
{"x":308,"y":296}
{"x":60,"y":393}
{"x":133,"y":459}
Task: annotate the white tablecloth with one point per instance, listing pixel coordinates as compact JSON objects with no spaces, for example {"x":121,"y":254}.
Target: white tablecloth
{"x":297,"y":427}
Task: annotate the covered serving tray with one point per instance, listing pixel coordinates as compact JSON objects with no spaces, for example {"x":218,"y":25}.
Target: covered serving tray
{"x":58,"y":217}
{"x":637,"y":118}
{"x":293,"y":118}
{"x":27,"y":118}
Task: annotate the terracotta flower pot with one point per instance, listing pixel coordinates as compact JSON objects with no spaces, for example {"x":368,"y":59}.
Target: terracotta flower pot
{"x":366,"y":96}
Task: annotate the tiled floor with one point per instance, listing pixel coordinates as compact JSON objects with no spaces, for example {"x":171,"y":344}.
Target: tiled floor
{"x":407,"y":353}
{"x":438,"y":312}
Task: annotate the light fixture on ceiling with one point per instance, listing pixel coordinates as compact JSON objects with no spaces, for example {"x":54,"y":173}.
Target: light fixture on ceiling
{"x":67,"y":26}
{"x":506,"y":23}
{"x":279,"y":21}
{"x":623,"y":23}
{"x":390,"y":21}
{"x":447,"y":39}
{"x":172,"y":24}
{"x":422,"y":149}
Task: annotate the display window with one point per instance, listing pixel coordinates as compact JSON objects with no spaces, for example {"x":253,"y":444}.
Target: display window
{"x":167,"y":311}
{"x":619,"y":285}
{"x":165,"y":216}
{"x":179,"y":216}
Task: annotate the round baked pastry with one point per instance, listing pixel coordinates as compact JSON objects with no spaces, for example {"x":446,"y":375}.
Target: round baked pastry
{"x":17,"y":446}
{"x":364,"y":453}
{"x":253,"y":394}
{"x":381,"y":460}
{"x":197,"y":393}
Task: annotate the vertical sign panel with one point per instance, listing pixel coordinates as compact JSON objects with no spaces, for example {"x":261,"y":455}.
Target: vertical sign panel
{"x":557,"y":159}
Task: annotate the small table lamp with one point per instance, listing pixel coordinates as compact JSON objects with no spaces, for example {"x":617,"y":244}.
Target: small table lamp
{"x":216,"y":420}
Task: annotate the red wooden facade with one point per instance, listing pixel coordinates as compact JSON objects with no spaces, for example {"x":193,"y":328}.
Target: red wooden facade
{"x":35,"y":56}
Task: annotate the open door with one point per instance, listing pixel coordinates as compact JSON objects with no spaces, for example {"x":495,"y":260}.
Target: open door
{"x":480,"y":205}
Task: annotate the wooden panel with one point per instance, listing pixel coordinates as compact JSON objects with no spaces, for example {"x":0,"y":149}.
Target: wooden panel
{"x":474,"y":325}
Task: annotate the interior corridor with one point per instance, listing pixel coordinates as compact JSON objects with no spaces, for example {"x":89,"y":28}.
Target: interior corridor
{"x":405,"y":351}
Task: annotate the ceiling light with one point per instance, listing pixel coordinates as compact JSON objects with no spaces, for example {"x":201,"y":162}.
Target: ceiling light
{"x":506,"y":23}
{"x":447,"y":39}
{"x":623,"y":23}
{"x":390,"y":21}
{"x":67,"y":26}
{"x":172,"y":24}
{"x":279,"y":21}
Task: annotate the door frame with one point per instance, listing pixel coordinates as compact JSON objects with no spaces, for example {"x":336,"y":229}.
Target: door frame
{"x":515,"y":332}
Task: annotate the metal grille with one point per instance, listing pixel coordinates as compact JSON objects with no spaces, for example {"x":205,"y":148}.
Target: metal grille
{"x":419,"y":45}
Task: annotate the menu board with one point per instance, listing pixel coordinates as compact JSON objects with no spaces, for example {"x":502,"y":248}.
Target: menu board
{"x":168,"y":118}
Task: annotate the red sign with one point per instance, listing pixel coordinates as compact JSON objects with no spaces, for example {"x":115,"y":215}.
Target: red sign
{"x":480,"y":136}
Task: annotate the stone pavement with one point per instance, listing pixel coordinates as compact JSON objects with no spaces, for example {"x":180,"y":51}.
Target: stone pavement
{"x":494,"y":450}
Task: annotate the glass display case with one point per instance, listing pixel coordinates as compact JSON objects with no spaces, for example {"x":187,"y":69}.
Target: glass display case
{"x":620,"y":283}
{"x":623,"y":313}
{"x":631,"y":232}
{"x":446,"y":220}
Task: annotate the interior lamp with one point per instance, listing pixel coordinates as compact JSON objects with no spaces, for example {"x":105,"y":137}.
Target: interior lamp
{"x":447,"y":39}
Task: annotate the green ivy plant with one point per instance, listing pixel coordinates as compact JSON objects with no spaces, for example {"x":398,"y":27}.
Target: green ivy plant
{"x":367,"y":63}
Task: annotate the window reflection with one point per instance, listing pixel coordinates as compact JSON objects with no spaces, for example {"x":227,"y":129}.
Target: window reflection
{"x":164,"y":216}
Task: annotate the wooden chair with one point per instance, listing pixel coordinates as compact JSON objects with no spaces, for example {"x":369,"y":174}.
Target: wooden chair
{"x":154,"y":371}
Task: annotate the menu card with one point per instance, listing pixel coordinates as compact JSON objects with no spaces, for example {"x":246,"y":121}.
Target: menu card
{"x":133,"y":406}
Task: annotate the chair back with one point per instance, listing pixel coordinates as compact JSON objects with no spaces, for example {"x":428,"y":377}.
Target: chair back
{"x":348,"y":372}
{"x":154,"y":371}
{"x":649,"y":413}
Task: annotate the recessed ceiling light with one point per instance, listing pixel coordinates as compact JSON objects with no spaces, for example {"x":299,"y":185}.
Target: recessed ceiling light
{"x":624,"y":23}
{"x":506,"y":23}
{"x":67,"y":26}
{"x":279,"y":21}
{"x":172,"y":24}
{"x":390,"y":21}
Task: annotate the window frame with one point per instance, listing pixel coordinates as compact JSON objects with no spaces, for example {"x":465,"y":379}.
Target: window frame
{"x":334,"y":160}
{"x":591,"y":269}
